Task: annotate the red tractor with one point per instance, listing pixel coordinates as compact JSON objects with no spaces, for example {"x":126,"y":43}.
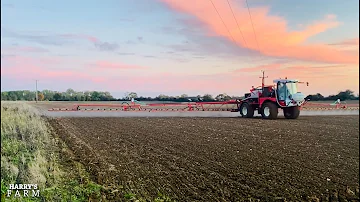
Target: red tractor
{"x":268,"y":99}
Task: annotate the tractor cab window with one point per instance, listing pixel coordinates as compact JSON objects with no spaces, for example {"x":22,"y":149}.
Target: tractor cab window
{"x":282,"y":91}
{"x":292,"y":88}
{"x":286,"y":90}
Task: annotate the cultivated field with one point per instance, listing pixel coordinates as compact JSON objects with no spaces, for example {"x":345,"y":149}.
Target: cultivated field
{"x":218,"y":159}
{"x":57,"y":104}
{"x":101,"y":111}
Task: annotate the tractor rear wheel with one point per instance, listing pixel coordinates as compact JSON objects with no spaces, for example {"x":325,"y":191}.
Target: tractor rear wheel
{"x":291,"y":112}
{"x":269,"y":110}
{"x":246,"y":110}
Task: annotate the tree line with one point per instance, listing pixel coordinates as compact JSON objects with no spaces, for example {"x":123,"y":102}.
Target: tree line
{"x":342,"y":95}
{"x":49,"y":95}
{"x":72,"y":95}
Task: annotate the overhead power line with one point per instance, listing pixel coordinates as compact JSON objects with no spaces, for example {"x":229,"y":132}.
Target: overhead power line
{"x":222,"y":21}
{"x":252,"y":24}
{"x":237,"y":23}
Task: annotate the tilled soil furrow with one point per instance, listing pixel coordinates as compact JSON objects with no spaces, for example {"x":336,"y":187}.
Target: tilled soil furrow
{"x":224,"y":159}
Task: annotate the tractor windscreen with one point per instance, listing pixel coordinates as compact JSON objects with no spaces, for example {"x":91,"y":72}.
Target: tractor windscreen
{"x":292,"y":88}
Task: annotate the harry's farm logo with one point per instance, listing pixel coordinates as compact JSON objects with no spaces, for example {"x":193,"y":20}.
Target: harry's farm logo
{"x":23,"y":190}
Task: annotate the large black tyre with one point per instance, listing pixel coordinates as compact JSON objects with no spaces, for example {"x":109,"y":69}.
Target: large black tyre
{"x":291,"y":112}
{"x":246,"y":110}
{"x":269,"y":110}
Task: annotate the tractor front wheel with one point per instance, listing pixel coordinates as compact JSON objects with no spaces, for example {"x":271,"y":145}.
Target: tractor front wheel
{"x":269,"y":110}
{"x":246,"y":110}
{"x":291,"y":112}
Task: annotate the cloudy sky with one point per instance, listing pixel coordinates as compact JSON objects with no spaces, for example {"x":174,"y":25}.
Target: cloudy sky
{"x":178,"y":46}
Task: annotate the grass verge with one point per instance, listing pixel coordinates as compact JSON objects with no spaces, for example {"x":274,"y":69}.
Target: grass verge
{"x":31,"y":155}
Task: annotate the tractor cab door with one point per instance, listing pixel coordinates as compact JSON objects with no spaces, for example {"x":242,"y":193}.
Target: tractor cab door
{"x":281,"y":91}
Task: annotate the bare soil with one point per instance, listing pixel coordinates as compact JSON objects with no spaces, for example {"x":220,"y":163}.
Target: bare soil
{"x":219,"y":159}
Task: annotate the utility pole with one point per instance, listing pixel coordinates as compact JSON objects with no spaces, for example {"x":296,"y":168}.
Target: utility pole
{"x":36,"y":92}
{"x":263,"y":79}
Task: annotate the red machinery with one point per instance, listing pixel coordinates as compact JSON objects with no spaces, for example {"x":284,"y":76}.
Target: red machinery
{"x":232,"y":106}
{"x":266,"y":99}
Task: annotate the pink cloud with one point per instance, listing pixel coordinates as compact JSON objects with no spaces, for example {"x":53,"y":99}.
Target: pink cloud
{"x":167,"y":83}
{"x":24,"y":49}
{"x":272,"y":32}
{"x":267,"y":67}
{"x":331,"y":17}
{"x":26,"y":68}
{"x":103,"y":46}
{"x":348,"y":42}
{"x":114,"y":66}
{"x":324,"y":79}
{"x":301,"y":71}
{"x":28,"y":60}
{"x":81,"y":36}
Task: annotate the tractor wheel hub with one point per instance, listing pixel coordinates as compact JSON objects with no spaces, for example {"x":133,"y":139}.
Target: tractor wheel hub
{"x":266,"y":111}
{"x":244,"y":111}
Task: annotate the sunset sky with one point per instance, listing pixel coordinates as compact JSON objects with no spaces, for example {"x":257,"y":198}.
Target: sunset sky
{"x":173,"y":47}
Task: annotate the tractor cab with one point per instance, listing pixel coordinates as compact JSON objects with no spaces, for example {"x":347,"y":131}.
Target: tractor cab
{"x":287,"y":93}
